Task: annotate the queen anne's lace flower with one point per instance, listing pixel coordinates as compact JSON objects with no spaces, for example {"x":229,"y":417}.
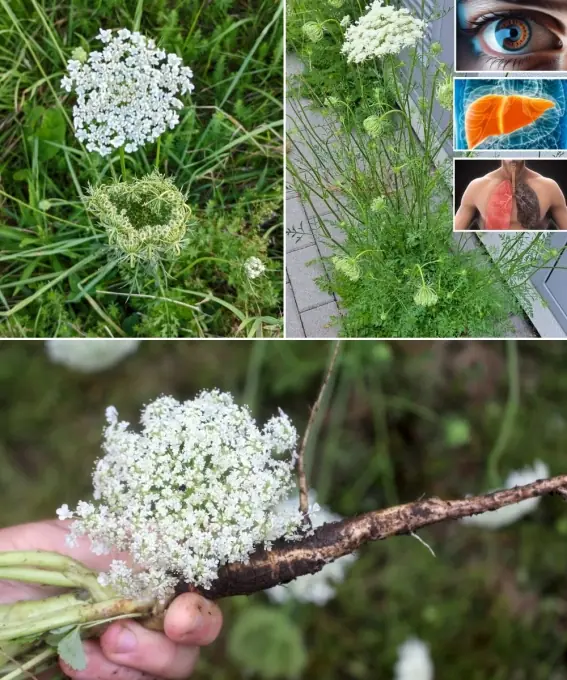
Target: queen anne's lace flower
{"x":89,"y":355}
{"x":254,"y":267}
{"x":313,"y":31}
{"x":146,"y":219}
{"x":127,"y":95}
{"x":319,"y":587}
{"x":503,"y":517}
{"x":381,"y":31}
{"x":414,"y":661}
{"x":197,"y":488}
{"x":345,"y":21}
{"x":425,"y":296}
{"x":347,"y":266}
{"x":444,"y":94}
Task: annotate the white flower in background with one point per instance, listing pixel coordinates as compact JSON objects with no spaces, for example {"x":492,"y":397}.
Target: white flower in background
{"x":89,"y":355}
{"x":503,"y":517}
{"x":126,"y":94}
{"x":254,"y":267}
{"x":345,"y":21}
{"x":317,"y":588}
{"x":381,"y":31}
{"x":196,"y":488}
{"x":414,"y":661}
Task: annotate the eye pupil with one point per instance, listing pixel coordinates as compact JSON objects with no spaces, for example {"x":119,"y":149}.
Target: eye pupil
{"x":513,"y":34}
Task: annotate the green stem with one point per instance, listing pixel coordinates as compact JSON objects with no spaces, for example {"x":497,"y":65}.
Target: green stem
{"x":123,"y":162}
{"x":31,"y":663}
{"x":510,"y":414}
{"x":25,"y":609}
{"x":75,"y":615}
{"x":42,"y":576}
{"x":157,"y":152}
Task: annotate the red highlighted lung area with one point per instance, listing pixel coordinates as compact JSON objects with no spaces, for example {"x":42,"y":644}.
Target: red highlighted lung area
{"x":499,"y":208}
{"x":497,"y":114}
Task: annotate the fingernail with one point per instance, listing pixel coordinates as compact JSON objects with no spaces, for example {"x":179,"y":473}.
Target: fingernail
{"x":126,"y":641}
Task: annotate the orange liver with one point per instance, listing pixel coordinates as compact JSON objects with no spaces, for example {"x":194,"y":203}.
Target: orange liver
{"x":499,"y":208}
{"x":498,"y":114}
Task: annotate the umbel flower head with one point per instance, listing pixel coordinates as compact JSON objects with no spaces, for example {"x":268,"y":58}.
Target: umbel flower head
{"x":381,"y":31}
{"x":196,"y":488}
{"x":425,"y":296}
{"x":347,"y":266}
{"x":91,"y":354}
{"x":414,"y":661}
{"x":127,"y":95}
{"x":254,"y":267}
{"x":444,"y":93}
{"x":146,"y":219}
{"x":313,"y":31}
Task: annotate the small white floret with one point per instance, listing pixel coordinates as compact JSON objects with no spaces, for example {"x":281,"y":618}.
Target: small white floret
{"x":64,"y":513}
{"x":414,"y":661}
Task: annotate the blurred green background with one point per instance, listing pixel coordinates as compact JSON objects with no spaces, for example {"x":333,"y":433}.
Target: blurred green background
{"x":403,"y":419}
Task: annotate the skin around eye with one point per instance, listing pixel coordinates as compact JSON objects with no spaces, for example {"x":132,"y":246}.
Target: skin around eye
{"x":491,"y":35}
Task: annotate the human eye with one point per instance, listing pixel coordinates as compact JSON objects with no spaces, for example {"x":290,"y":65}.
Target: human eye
{"x":503,"y":37}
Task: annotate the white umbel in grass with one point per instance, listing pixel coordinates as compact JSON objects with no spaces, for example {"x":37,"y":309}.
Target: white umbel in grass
{"x":127,"y":95}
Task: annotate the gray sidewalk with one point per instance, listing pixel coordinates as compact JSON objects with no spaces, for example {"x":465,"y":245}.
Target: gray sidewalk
{"x":308,"y":308}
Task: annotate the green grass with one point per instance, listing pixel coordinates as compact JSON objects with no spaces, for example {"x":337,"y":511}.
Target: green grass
{"x":490,"y":604}
{"x":58,"y":276}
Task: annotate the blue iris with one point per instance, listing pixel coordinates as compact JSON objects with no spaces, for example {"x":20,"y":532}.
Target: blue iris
{"x":512,"y":34}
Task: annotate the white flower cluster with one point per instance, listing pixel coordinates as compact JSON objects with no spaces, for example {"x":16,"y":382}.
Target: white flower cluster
{"x":197,"y":488}
{"x":382,"y":30}
{"x":126,"y":94}
{"x":503,"y":517}
{"x":317,"y":588}
{"x":414,"y":661}
{"x":89,"y":355}
{"x":254,"y":267}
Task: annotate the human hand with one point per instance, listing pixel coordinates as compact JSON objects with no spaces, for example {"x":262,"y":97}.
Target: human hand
{"x":126,"y":650}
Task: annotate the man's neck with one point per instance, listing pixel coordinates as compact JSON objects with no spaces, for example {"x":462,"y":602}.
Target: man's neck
{"x":509,"y":170}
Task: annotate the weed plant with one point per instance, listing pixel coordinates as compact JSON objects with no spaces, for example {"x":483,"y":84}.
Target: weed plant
{"x":59,"y":274}
{"x":378,"y":170}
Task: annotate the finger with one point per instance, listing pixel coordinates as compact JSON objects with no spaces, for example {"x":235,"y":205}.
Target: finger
{"x":126,"y":643}
{"x":192,"y":620}
{"x":100,"y":668}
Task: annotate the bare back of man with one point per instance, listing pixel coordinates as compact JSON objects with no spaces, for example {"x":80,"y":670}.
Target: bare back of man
{"x":512,"y":198}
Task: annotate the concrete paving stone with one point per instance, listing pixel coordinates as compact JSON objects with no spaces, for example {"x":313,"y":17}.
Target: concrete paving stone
{"x":297,"y":229}
{"x":294,"y":66}
{"x":293,"y":325}
{"x":302,"y":277}
{"x":316,"y":322}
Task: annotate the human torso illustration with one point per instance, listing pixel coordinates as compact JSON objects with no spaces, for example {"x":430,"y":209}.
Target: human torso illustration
{"x":512,"y":198}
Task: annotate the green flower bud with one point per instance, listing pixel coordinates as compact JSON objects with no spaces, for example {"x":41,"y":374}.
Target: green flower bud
{"x":425,"y":296}
{"x":374,"y":125}
{"x":79,"y":54}
{"x":347,"y":266}
{"x":313,"y":31}
{"x":377,"y":204}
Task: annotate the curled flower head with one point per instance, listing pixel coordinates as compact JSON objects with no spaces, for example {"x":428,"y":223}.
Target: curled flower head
{"x":146,"y":219}
{"x":196,"y":488}
{"x":313,"y":31}
{"x":444,"y":94}
{"x":374,"y":126}
{"x":127,"y":94}
{"x":89,"y":355}
{"x":378,"y":204}
{"x":425,"y":296}
{"x":382,"y":30}
{"x":347,"y":266}
{"x":254,"y":267}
